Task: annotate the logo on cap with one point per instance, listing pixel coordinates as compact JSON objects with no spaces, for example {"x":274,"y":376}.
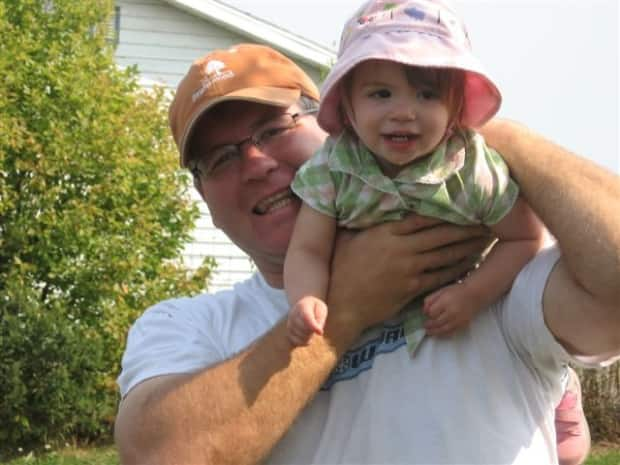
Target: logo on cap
{"x":215,"y":71}
{"x":214,"y":66}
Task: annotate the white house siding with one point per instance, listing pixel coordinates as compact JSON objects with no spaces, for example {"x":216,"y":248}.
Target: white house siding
{"x":163,"y":41}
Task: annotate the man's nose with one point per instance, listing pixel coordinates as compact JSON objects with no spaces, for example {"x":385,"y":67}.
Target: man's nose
{"x":256,"y":164}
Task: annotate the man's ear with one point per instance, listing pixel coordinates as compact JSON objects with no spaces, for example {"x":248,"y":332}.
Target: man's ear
{"x":198,"y":187}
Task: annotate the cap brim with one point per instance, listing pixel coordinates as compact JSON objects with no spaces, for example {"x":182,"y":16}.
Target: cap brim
{"x":274,"y":96}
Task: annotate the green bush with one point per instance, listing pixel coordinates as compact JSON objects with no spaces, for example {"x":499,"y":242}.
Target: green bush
{"x":93,"y":217}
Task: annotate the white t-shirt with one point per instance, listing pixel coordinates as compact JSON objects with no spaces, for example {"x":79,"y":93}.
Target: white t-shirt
{"x":484,"y":396}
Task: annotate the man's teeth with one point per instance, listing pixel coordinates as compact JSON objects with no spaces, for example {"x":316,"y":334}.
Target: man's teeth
{"x":280,"y":204}
{"x":274,"y":202}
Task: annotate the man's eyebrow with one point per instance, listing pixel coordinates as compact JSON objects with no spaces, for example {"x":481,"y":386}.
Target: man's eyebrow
{"x":253,"y":127}
{"x":258,"y":123}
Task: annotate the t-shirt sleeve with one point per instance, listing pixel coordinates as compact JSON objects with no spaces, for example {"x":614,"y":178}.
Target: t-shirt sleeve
{"x":165,"y":340}
{"x":314,"y":185}
{"x":522,"y":313}
{"x":523,"y":322}
{"x":494,"y":191}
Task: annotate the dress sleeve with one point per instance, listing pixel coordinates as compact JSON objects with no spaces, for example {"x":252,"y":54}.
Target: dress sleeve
{"x":494,"y":192}
{"x":314,"y":183}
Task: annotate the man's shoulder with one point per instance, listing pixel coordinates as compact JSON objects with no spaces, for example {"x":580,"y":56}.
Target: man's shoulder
{"x":182,"y":335}
{"x":533,"y":277}
{"x":211,"y":303}
{"x":521,"y":314}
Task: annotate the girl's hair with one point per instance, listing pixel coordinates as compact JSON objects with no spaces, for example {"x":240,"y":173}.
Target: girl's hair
{"x":448,"y":82}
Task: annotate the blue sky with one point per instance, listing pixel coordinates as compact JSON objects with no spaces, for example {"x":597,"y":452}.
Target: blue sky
{"x":556,"y":61}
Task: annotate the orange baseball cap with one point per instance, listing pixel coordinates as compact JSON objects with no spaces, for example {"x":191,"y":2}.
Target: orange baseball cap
{"x":255,"y":73}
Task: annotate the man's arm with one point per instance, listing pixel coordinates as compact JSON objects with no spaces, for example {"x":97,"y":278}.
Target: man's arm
{"x":218,"y":415}
{"x":579,"y":203}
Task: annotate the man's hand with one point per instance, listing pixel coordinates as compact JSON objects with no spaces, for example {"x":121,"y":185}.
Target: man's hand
{"x":377,"y":271}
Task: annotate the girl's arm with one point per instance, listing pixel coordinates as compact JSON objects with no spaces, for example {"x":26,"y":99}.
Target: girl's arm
{"x":306,"y":269}
{"x":521,"y":235}
{"x":520,"y":223}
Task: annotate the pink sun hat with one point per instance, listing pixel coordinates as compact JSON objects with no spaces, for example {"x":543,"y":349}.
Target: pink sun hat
{"x":412,"y":32}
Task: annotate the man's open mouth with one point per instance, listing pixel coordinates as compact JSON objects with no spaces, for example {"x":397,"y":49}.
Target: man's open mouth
{"x":274,"y":202}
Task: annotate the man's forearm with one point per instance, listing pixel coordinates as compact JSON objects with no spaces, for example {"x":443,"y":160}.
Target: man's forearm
{"x":578,"y":201}
{"x":219,"y":415}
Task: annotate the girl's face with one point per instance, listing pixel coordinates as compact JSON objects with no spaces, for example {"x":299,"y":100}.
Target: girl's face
{"x":397,"y":113}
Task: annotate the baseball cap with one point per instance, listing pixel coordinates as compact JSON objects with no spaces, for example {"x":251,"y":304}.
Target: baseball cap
{"x":425,"y":33}
{"x":250,"y":72}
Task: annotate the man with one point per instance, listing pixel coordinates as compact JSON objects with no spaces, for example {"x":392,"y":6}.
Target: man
{"x":213,"y":379}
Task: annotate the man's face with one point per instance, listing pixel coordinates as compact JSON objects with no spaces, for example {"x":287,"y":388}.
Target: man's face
{"x":251,"y":200}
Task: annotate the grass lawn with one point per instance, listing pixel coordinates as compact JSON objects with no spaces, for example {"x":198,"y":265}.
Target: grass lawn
{"x":72,"y":456}
{"x":602,"y":454}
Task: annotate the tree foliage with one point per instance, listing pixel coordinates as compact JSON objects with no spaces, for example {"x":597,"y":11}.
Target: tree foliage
{"x":601,"y":401}
{"x":93,"y":217}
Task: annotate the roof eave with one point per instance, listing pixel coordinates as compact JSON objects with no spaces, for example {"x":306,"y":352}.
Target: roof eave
{"x":244,"y":23}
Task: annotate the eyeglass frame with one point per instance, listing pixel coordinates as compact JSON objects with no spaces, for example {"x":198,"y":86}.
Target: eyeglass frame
{"x":256,"y":139}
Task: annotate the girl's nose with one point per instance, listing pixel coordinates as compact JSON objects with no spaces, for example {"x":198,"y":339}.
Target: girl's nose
{"x":405,"y":110}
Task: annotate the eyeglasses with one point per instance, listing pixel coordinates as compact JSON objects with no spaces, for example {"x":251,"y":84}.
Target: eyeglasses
{"x":268,"y":137}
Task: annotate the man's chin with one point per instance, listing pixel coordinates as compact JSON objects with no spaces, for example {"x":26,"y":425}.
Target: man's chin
{"x":277,"y":232}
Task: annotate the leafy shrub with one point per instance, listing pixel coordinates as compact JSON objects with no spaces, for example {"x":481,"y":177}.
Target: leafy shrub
{"x":93,"y":217}
{"x":601,"y":402}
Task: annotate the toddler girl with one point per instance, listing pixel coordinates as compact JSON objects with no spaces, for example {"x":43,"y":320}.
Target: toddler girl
{"x":399,"y":106}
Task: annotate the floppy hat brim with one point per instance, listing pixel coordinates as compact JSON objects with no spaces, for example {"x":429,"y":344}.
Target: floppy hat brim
{"x":410,"y":47}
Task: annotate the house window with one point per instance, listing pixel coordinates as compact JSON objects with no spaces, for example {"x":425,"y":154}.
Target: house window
{"x":114,"y":27}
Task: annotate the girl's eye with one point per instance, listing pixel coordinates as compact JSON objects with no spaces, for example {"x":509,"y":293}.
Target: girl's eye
{"x":428,"y":94}
{"x":381,"y":93}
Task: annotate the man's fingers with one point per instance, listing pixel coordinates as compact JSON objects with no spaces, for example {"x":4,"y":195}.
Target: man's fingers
{"x":443,"y":235}
{"x":437,"y":278}
{"x":411,"y":224}
{"x":469,"y":250}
